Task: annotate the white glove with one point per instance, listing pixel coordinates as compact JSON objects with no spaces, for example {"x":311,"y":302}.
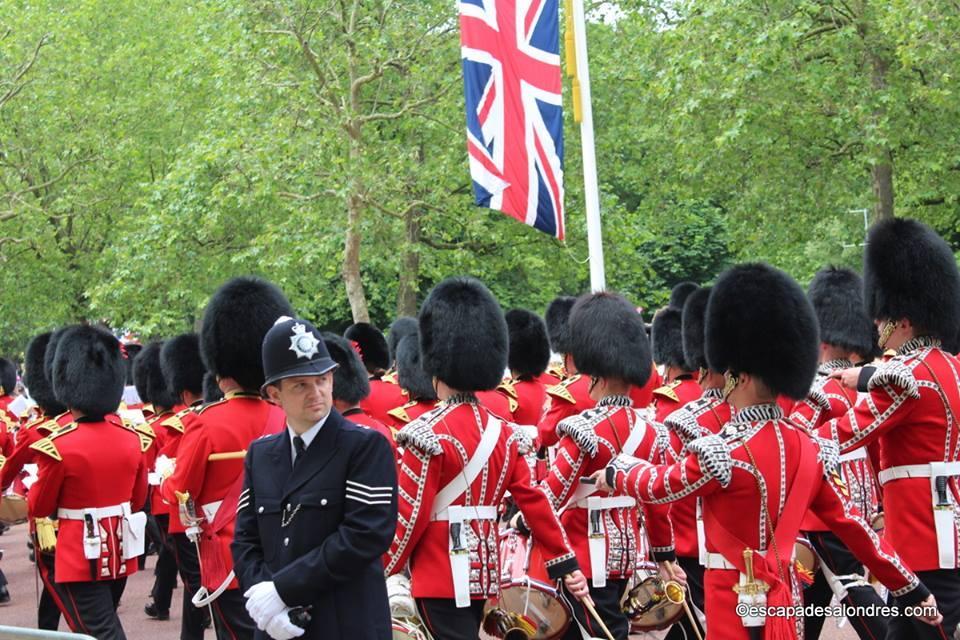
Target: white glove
{"x":164,"y":466}
{"x":263,"y":603}
{"x":398,"y":593}
{"x":280,"y":627}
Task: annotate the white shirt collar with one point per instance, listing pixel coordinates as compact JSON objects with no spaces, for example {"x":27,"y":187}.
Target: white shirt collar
{"x":308,"y":435}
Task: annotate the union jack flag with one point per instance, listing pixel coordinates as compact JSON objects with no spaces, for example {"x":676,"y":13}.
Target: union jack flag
{"x":511,"y":77}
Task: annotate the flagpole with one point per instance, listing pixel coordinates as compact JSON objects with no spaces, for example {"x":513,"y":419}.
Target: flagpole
{"x":591,"y":192}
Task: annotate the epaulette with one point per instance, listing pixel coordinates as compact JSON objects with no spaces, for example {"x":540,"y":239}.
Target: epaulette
{"x":890,"y":353}
{"x":391,"y":377}
{"x":508,"y":387}
{"x":512,"y":404}
{"x":556,"y":370}
{"x":400,"y":413}
{"x":46,"y":445}
{"x":200,"y":410}
{"x":714,"y":456}
{"x":523,"y":438}
{"x":561,"y":391}
{"x":145,"y":439}
{"x":819,"y":399}
{"x":684,"y":424}
{"x":419,"y":434}
{"x":828,"y":453}
{"x":581,"y":428}
{"x":174,"y":422}
{"x":667,"y":391}
{"x":146,"y":430}
{"x":895,"y":372}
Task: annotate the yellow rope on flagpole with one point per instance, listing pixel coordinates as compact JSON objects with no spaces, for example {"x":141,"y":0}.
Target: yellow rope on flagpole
{"x":571,"y":56}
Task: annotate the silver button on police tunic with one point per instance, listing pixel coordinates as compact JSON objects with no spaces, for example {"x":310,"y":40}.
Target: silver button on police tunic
{"x":286,"y":542}
{"x":323,"y":502}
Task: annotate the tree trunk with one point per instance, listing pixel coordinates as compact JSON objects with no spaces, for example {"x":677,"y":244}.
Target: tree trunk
{"x":351,"y":263}
{"x":883,"y":188}
{"x":882,"y":169}
{"x":410,"y":265}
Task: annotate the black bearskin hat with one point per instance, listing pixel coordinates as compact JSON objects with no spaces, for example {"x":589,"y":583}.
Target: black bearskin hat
{"x":35,"y":376}
{"x":374,"y":351}
{"x":235,"y":321}
{"x":8,"y":377}
{"x":693,"y":320}
{"x":679,"y":294}
{"x":410,"y":375}
{"x":529,"y":352}
{"x":608,"y":339}
{"x":149,"y":379}
{"x":182,"y":365}
{"x":558,"y":323}
{"x":52,"y":351}
{"x":130,"y":351}
{"x":350,"y":381}
{"x":211,"y":390}
{"x":399,"y":329}
{"x":910,"y":273}
{"x":667,"y":337}
{"x":760,"y":322}
{"x":88,"y":370}
{"x":463,"y":336}
{"x":837,"y":298}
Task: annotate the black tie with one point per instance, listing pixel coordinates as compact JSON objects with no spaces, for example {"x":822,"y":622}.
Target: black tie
{"x":298,"y":449}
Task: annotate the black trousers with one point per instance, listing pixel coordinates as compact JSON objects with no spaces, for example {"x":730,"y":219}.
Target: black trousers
{"x":90,"y":609}
{"x":193,"y":620}
{"x":165,"y":572}
{"x":52,"y":596}
{"x":446,"y":622}
{"x":230,"y":617}
{"x":683,"y":628}
{"x":606,"y":601}
{"x":945,"y":586}
{"x":841,"y":562}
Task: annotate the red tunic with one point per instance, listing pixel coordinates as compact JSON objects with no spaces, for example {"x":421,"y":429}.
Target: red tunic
{"x":725,"y":470}
{"x":588,"y":441}
{"x":22,"y":454}
{"x":497,"y":403}
{"x":385,"y":394}
{"x":702,"y":417}
{"x":8,"y":424}
{"x":529,"y":399}
{"x":437,"y":447}
{"x":399,"y":416}
{"x":568,"y":398}
{"x":673,"y":395}
{"x":89,"y":464}
{"x":906,"y":414}
{"x":829,"y":400}
{"x":228,"y":426}
{"x":643,"y":396}
{"x":357,"y":416}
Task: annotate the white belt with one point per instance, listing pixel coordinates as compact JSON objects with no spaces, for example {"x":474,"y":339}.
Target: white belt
{"x":919,"y":471}
{"x":856,"y":454}
{"x":717,"y":561}
{"x":97,"y":512}
{"x":597,"y":538}
{"x":455,"y":516}
{"x":466,"y":513}
{"x":943,"y":518}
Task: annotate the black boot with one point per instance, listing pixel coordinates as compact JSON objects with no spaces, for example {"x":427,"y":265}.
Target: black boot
{"x":152,"y":612}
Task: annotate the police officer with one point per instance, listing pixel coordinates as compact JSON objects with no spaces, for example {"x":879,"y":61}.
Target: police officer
{"x":319,"y":505}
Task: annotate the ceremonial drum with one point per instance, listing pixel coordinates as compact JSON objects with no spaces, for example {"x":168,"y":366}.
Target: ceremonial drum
{"x":13,"y":509}
{"x":805,"y":561}
{"x":528,"y":607}
{"x":652,"y":604}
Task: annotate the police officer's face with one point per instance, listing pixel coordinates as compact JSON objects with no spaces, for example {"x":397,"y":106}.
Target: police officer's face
{"x":305,"y":399}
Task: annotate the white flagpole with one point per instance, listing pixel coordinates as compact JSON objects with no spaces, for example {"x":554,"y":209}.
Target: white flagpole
{"x":591,"y":192}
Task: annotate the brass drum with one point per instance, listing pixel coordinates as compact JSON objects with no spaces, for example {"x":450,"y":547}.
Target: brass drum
{"x":652,"y":604}
{"x":13,"y":509}
{"x":527,"y":608}
{"x":405,"y":631}
{"x":806,"y":562}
